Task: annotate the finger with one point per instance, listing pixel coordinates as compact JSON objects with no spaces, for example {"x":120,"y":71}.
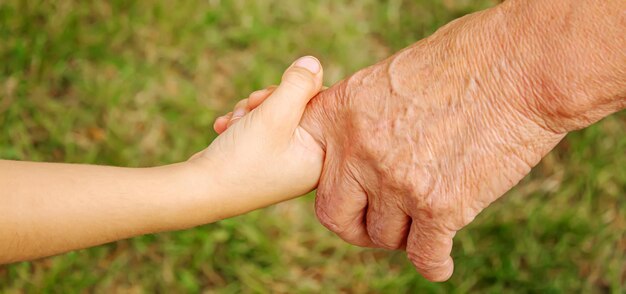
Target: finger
{"x":241,"y":109}
{"x":221,"y":123}
{"x":340,"y":206}
{"x":429,"y":249}
{"x":256,"y":98}
{"x":299,"y":84}
{"x":237,"y":115}
{"x":387,"y":225}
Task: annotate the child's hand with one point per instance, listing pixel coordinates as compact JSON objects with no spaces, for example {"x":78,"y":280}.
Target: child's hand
{"x":262,"y":155}
{"x":242,"y":108}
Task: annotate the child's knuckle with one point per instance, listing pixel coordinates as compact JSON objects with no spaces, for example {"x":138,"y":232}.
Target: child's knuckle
{"x":299,"y":79}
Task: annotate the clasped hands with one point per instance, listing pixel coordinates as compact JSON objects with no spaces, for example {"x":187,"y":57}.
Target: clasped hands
{"x":410,"y":155}
{"x":403,"y":153}
{"x":417,"y":145}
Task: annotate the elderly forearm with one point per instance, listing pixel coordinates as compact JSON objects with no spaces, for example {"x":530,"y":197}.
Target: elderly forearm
{"x":572,"y":55}
{"x":562,"y":62}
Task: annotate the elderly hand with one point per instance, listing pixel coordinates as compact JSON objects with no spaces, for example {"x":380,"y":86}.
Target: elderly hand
{"x":418,"y":144}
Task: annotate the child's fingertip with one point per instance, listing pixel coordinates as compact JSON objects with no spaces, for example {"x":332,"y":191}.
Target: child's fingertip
{"x":257,"y":93}
{"x":238,"y":113}
{"x":242,"y":104}
{"x":218,"y":119}
{"x":219,"y":130}
{"x":224,"y":121}
{"x":220,"y":124}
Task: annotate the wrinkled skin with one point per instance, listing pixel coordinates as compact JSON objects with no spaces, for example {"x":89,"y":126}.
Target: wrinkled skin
{"x":418,"y":144}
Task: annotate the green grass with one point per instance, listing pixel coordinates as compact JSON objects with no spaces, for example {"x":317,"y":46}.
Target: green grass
{"x":139,"y":83}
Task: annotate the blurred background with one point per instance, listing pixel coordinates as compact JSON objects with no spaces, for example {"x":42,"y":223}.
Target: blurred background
{"x":139,"y":83}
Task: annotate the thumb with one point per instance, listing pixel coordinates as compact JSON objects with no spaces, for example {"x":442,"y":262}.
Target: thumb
{"x":300,"y":82}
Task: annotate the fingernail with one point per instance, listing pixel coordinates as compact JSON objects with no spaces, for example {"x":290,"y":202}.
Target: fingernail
{"x":239,"y":112}
{"x":309,"y":63}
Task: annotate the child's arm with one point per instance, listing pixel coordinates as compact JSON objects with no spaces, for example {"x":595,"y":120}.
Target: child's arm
{"x":48,"y":208}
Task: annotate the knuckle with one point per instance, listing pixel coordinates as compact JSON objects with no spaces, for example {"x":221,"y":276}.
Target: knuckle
{"x":299,"y":79}
{"x":425,"y":261}
{"x":430,"y":249}
{"x":418,"y":260}
{"x":433,"y":271}
{"x":270,"y":121}
{"x":325,"y":218}
{"x":381,"y":241}
{"x":382,"y":236}
{"x":418,"y":182}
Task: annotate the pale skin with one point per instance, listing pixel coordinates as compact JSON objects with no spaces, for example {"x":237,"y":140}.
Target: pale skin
{"x":420,"y":143}
{"x":51,"y":208}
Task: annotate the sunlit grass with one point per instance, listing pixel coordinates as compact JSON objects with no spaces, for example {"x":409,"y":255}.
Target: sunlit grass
{"x":139,"y":83}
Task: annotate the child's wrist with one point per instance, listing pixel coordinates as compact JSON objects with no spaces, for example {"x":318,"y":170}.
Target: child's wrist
{"x":233,"y":185}
{"x":217,"y":189}
{"x":186,"y":192}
